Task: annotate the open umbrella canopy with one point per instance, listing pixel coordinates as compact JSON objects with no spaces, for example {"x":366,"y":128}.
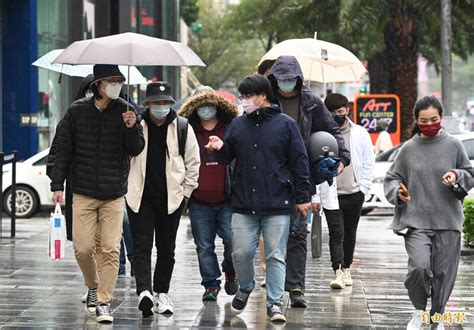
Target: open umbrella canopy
{"x":320,"y":60}
{"x":46,"y":62}
{"x":129,"y":49}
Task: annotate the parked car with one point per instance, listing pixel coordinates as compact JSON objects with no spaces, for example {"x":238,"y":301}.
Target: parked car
{"x":32,"y":186}
{"x":383,"y":162}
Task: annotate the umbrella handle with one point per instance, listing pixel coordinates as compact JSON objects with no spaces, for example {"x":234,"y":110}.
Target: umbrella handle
{"x":128,"y":87}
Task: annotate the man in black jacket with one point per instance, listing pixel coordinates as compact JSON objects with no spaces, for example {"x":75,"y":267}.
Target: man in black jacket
{"x":298,"y":102}
{"x":96,"y":139}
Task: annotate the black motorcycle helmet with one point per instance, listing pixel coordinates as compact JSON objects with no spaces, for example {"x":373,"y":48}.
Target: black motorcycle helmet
{"x":322,"y":144}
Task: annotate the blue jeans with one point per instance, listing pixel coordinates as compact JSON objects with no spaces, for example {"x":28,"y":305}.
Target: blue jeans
{"x":206,"y":222}
{"x":126,"y":242}
{"x":245,"y":233}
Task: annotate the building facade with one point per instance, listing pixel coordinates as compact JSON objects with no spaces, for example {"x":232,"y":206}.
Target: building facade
{"x":33,"y":100}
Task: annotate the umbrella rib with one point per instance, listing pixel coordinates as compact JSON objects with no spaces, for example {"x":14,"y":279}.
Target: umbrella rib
{"x":355,"y":76}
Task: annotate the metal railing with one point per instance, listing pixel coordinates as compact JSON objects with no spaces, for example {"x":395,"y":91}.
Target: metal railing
{"x":4,"y":159}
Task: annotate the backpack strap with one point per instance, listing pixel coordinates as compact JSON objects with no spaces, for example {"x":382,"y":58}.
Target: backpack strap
{"x":182,"y":134}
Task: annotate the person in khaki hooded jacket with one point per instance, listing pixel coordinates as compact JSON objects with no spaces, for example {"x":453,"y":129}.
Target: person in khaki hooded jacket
{"x":161,"y":180}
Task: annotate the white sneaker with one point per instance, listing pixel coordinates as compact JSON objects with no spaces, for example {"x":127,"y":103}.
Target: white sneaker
{"x":84,"y":298}
{"x":416,"y":321}
{"x":339,"y":281}
{"x":145,"y":303}
{"x":347,"y":277}
{"x":163,"y":304}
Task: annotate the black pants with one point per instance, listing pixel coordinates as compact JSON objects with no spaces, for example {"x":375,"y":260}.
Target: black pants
{"x":336,"y":236}
{"x":296,"y":251}
{"x":153,"y":218}
{"x":350,"y":206}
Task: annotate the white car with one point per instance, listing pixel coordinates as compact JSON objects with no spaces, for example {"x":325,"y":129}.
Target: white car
{"x":32,"y":186}
{"x":384,"y":161}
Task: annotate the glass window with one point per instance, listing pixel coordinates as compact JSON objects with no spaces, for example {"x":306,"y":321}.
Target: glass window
{"x":41,"y":162}
{"x":53,"y":97}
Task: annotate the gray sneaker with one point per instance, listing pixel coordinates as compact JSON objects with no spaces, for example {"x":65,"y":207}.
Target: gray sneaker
{"x":103,"y":314}
{"x":275,"y":314}
{"x":91,"y":300}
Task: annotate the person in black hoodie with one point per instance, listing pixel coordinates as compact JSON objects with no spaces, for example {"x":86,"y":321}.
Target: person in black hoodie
{"x":298,"y":102}
{"x":209,"y":207}
{"x":96,"y":139}
{"x":271,"y":178}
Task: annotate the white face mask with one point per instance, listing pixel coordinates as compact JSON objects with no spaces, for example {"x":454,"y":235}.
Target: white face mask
{"x":159,"y":111}
{"x":112,"y":90}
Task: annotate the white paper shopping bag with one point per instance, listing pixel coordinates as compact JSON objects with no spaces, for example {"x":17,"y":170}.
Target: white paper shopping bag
{"x":57,"y":234}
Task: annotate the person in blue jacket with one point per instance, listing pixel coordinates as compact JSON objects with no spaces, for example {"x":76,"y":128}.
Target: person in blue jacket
{"x":270,"y":179}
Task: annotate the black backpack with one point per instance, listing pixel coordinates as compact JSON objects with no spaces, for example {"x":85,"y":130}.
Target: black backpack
{"x":182,"y":134}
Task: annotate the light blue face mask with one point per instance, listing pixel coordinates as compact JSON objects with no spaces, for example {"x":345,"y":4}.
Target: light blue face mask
{"x":159,"y":111}
{"x":207,"y":113}
{"x":287,"y":86}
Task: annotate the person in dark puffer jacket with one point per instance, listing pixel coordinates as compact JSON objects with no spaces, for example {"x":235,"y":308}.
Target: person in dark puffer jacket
{"x":96,"y":139}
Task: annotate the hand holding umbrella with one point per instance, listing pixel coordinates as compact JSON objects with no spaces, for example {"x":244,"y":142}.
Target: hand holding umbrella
{"x":129,"y":118}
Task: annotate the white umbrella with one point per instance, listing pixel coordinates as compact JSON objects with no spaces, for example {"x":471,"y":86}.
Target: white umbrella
{"x":129,"y":49}
{"x":46,"y":62}
{"x":320,"y":61}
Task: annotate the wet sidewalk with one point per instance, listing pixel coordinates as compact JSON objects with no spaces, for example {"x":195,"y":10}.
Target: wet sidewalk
{"x":36,"y":292}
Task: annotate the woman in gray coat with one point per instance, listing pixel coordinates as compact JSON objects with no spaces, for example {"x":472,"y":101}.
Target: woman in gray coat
{"x":427,"y":212}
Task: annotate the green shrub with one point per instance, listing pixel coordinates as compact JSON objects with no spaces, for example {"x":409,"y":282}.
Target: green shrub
{"x":468,"y":229}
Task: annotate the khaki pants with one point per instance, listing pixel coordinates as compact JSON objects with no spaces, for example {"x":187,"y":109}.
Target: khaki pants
{"x":94,"y":219}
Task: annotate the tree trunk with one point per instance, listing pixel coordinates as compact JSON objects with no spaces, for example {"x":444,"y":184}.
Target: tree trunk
{"x":378,"y":73}
{"x":402,"y":40}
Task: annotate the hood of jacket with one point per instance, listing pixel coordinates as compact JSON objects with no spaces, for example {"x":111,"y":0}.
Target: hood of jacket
{"x":286,"y":67}
{"x":226,"y":110}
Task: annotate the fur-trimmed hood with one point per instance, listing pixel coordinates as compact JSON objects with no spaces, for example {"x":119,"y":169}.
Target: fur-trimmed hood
{"x":226,"y":110}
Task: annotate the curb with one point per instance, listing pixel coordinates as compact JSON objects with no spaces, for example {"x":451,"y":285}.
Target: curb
{"x":467,"y":251}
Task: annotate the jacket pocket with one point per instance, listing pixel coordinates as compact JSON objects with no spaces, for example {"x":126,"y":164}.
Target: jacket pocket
{"x":281,"y":191}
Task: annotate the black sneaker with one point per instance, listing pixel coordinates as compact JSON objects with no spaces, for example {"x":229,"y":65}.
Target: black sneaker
{"x":297,"y":299}
{"x":91,"y":300}
{"x":210,"y":294}
{"x":103,"y":314}
{"x":240,"y":301}
{"x":231,"y":286}
{"x":145,"y":303}
{"x":275,"y":314}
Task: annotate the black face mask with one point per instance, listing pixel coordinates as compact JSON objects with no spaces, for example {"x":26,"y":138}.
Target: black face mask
{"x":340,"y":119}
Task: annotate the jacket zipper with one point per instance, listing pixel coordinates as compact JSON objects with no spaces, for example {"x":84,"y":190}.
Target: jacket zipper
{"x":97,"y":162}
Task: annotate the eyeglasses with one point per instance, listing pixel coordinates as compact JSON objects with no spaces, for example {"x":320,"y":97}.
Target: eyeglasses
{"x":114,"y":81}
{"x":246,"y":96}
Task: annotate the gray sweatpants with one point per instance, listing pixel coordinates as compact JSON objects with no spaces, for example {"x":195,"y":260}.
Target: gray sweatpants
{"x":433,"y":259}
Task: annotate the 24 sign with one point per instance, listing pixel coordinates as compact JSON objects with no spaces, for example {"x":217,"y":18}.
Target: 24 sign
{"x":374,"y":107}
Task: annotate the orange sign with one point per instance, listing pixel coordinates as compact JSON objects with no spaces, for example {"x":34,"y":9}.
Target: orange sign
{"x":368,"y":109}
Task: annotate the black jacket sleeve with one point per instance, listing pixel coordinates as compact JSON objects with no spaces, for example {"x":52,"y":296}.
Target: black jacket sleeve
{"x":52,"y":155}
{"x":226,"y":154}
{"x":134,"y":141}
{"x":323,"y":121}
{"x":64,"y":151}
{"x":299,"y":165}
